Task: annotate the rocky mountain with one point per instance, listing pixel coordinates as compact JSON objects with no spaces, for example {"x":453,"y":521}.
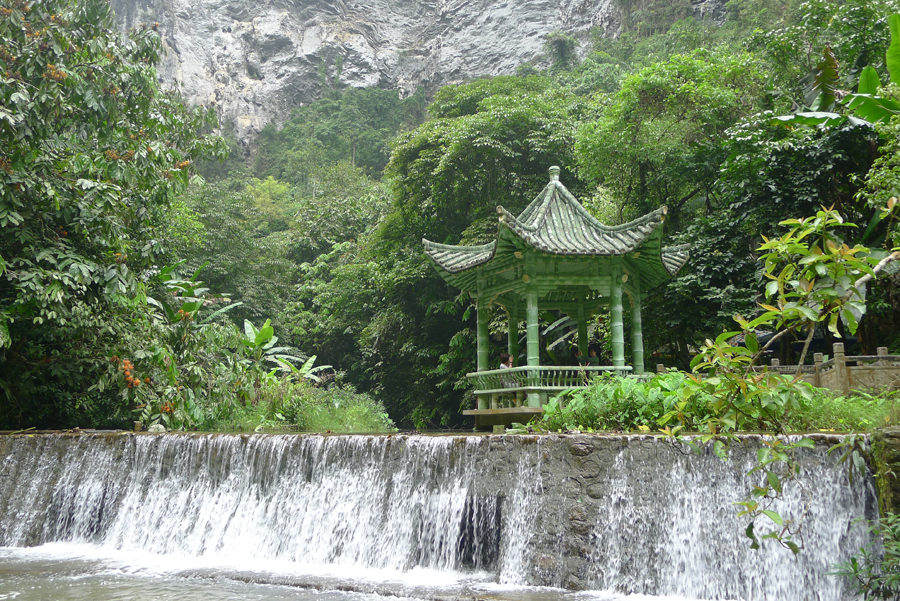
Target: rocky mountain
{"x":257,"y":59}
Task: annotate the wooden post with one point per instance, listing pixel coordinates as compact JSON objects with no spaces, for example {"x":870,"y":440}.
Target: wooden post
{"x":840,"y":368}
{"x":637,"y":336}
{"x":534,"y":342}
{"x":483,"y":345}
{"x":615,"y":317}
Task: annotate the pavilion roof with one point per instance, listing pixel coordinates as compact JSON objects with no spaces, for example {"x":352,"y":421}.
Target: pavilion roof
{"x":555,"y":223}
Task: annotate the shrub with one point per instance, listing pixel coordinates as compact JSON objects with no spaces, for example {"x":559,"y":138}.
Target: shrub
{"x":614,"y":403}
{"x":674,"y":399}
{"x":860,"y":411}
{"x":875,"y":572}
{"x":338,"y":408}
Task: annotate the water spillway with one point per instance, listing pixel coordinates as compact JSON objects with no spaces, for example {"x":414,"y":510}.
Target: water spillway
{"x":632,"y":514}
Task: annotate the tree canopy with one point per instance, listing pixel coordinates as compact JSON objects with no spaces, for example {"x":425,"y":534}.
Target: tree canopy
{"x":492,"y":149}
{"x":91,"y":151}
{"x":658,"y":140}
{"x":733,"y":126}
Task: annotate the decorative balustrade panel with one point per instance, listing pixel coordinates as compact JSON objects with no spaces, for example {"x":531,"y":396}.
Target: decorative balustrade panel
{"x":845,"y":373}
{"x":543,"y":378}
{"x":788,"y":370}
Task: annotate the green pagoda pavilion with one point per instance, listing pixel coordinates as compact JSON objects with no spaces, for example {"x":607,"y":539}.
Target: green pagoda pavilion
{"x":555,"y":256}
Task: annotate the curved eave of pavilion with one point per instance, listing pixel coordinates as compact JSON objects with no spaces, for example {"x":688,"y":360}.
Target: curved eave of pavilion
{"x":674,"y":257}
{"x":655,"y":265}
{"x":456,"y":263}
{"x":454,"y":259}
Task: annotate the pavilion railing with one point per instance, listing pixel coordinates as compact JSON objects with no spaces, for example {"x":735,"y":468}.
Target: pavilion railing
{"x":538,"y":379}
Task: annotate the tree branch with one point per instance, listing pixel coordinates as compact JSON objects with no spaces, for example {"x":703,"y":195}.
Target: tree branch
{"x":894,"y":256}
{"x":862,"y":281}
{"x":680,"y":202}
{"x":809,"y":337}
{"x":760,"y":352}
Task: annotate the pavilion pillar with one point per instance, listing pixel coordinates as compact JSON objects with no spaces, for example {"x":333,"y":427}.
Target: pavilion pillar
{"x":582,"y":331}
{"x":637,"y":336}
{"x":615,"y":317}
{"x":534,"y":344}
{"x":512,"y":332}
{"x":512,"y":340}
{"x":483,"y":346}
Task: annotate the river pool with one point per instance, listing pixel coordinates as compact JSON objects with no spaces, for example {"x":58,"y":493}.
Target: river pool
{"x":78,"y":572}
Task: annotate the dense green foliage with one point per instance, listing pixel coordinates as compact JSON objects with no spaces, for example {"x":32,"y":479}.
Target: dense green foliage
{"x":659,"y":139}
{"x":355,"y":125}
{"x":673,"y":399}
{"x":91,"y":152}
{"x":232,"y":245}
{"x":875,"y":572}
{"x":488,"y":144}
{"x":197,"y":370}
{"x":318,"y":233}
{"x":338,"y":408}
{"x":623,"y":404}
{"x":93,"y":331}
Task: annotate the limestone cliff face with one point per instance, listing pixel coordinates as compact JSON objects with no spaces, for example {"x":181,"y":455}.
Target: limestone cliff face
{"x":257,"y":59}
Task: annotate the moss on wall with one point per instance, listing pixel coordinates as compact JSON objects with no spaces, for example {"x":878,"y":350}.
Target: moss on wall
{"x":886,"y":464}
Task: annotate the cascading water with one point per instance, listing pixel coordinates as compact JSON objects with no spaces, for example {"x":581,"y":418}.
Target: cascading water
{"x":630,"y":514}
{"x":681,"y":535}
{"x":310,"y":500}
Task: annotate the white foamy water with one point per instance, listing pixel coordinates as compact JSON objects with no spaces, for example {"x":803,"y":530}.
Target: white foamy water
{"x":414,"y":516}
{"x":681,"y":536}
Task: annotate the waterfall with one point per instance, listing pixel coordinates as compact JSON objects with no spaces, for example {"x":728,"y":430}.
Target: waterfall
{"x":682,"y":529}
{"x":632,"y":514}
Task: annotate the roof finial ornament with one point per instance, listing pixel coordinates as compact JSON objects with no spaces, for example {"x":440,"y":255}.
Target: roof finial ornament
{"x":554,"y":174}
